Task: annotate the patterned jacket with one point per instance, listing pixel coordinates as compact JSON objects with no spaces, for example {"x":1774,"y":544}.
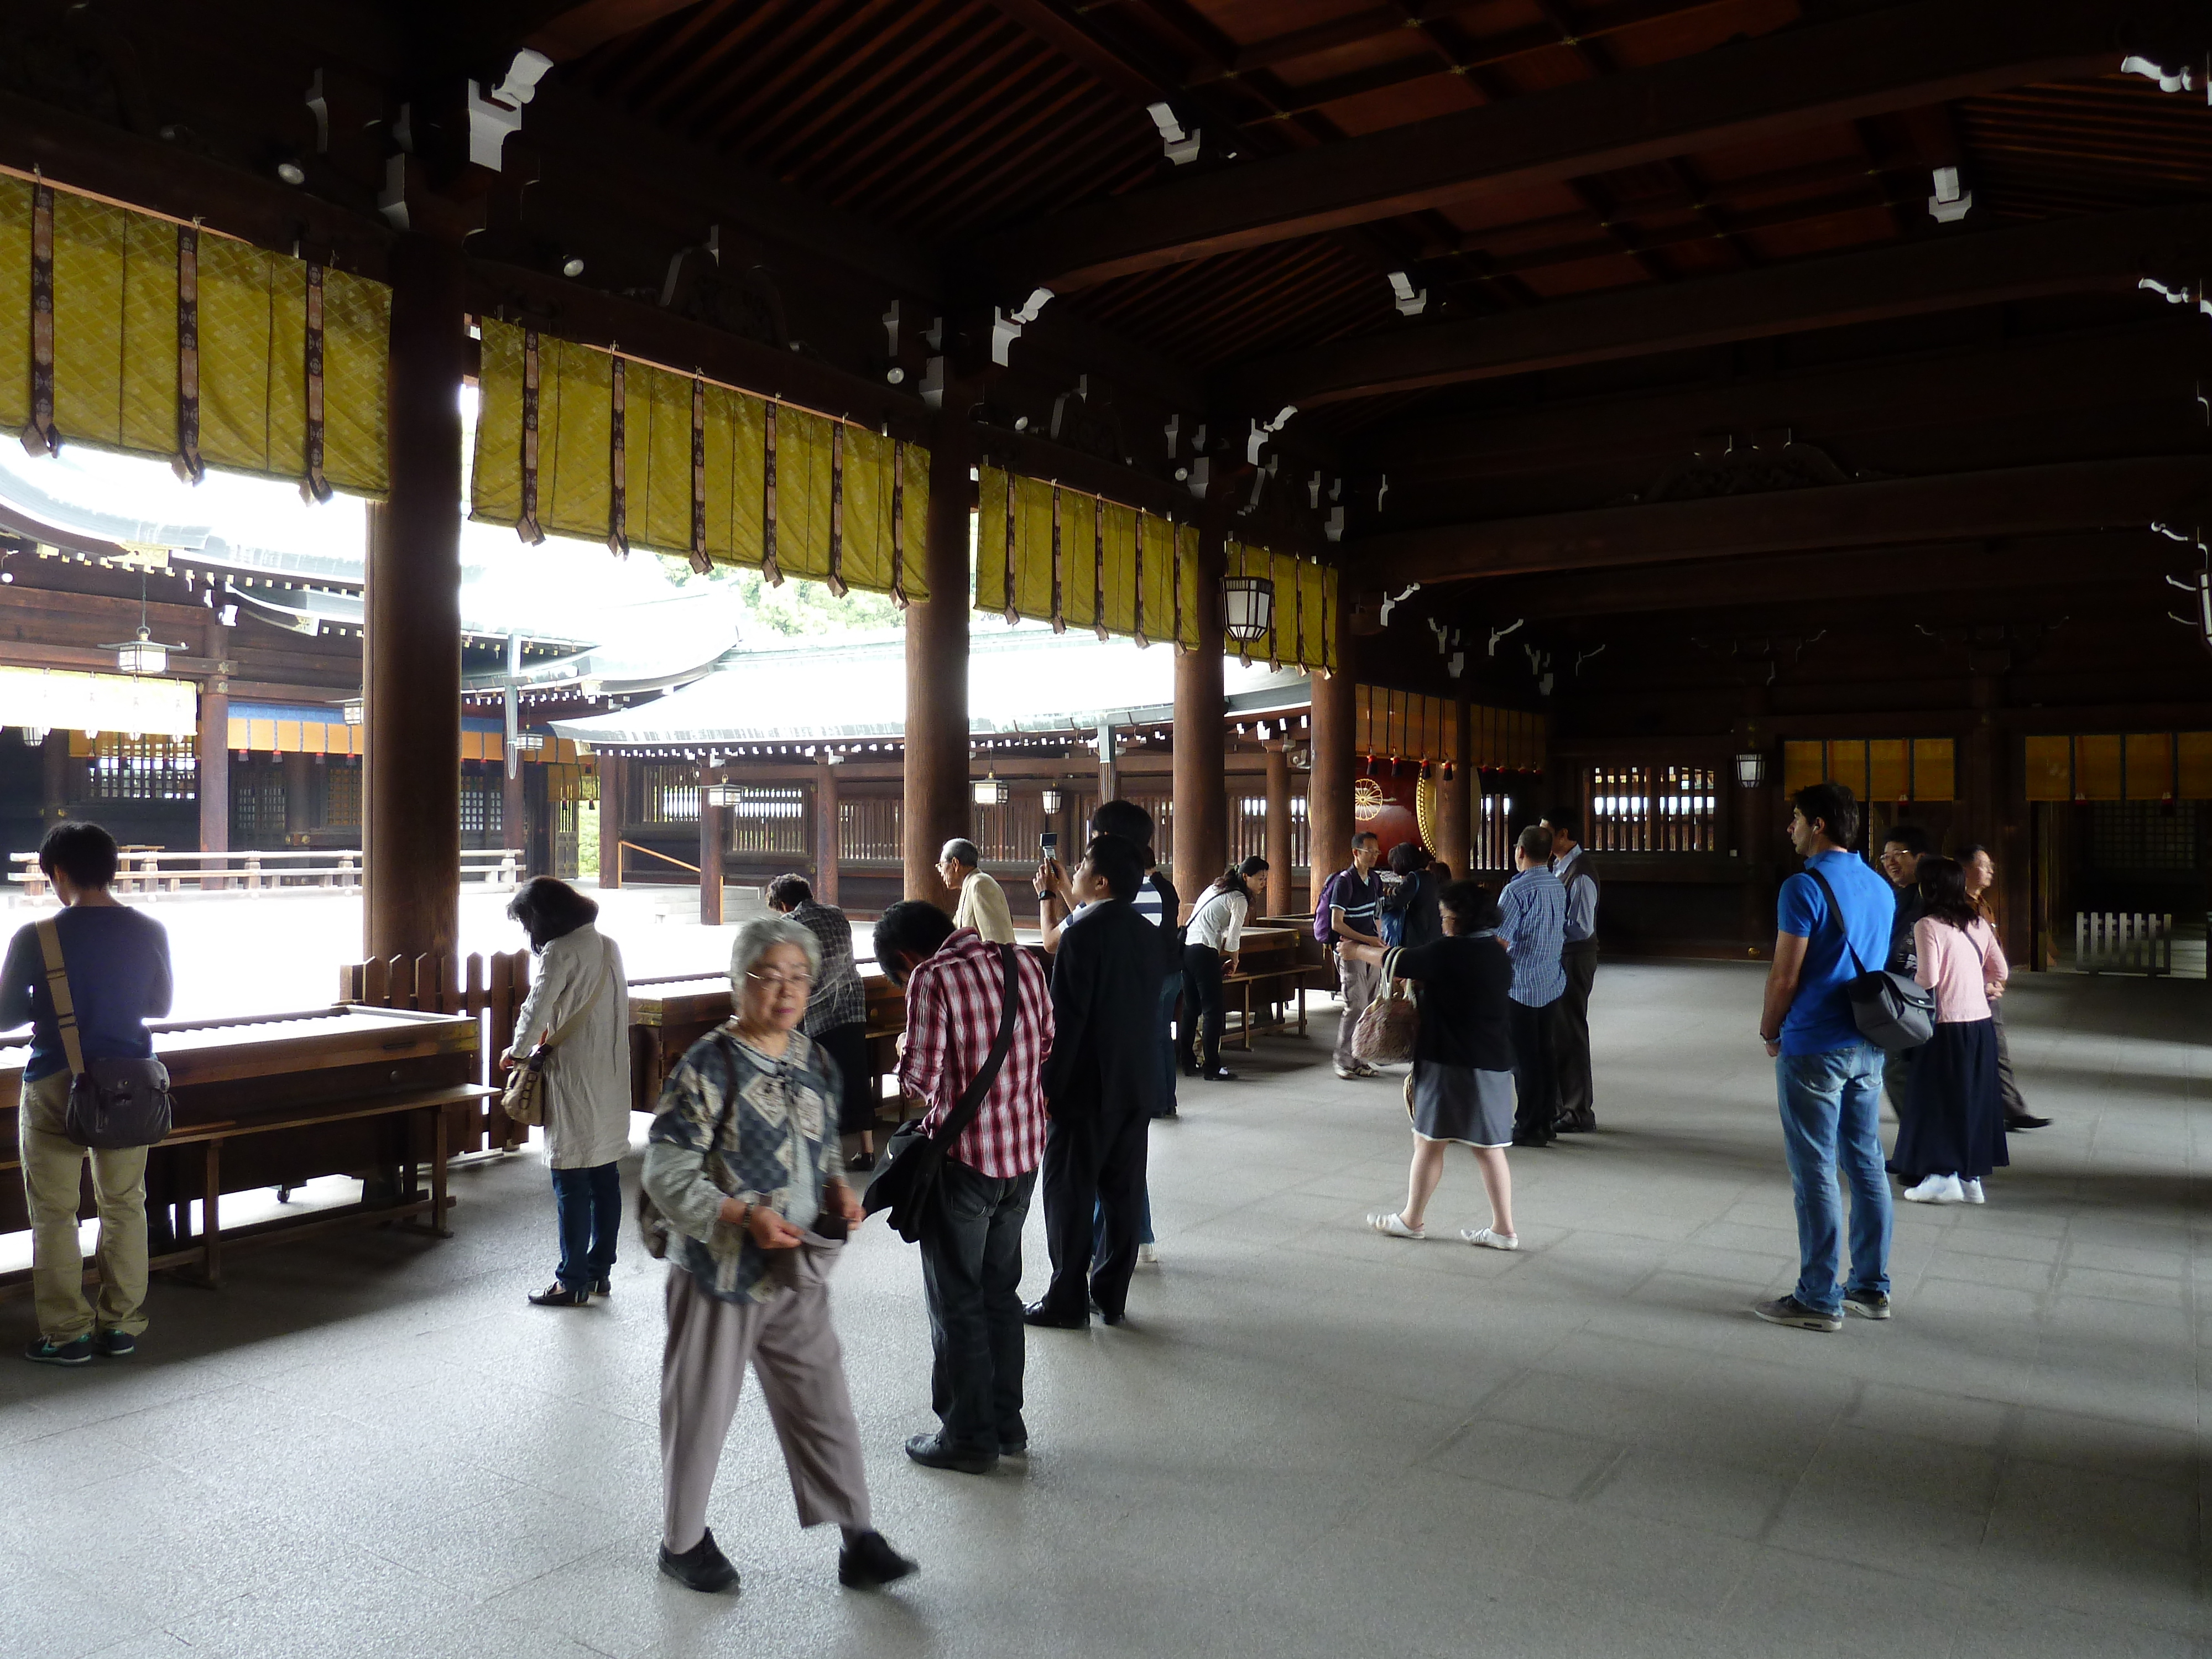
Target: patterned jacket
{"x":732,"y":1122}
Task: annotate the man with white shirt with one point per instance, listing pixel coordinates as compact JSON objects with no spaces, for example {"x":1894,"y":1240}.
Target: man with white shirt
{"x":1578,"y":1088}
{"x":983,"y":903}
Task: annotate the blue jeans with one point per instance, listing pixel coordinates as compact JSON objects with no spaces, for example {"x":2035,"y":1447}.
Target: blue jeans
{"x":1831,"y":1120}
{"x":971,"y":1276}
{"x":587,"y":1207}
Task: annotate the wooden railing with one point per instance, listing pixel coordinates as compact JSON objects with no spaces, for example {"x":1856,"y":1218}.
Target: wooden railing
{"x":153,"y":870}
{"x":2124,"y":942}
{"x":492,"y":988}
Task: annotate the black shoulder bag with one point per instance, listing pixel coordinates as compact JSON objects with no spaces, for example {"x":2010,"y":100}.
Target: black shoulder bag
{"x":907,"y":1178}
{"x":112,"y":1103}
{"x":1892,"y":1011}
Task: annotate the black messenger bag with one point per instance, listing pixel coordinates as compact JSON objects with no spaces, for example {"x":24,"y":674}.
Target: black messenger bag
{"x":1892,"y":1011}
{"x":112,"y":1103}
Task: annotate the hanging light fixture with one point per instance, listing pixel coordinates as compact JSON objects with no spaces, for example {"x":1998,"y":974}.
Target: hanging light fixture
{"x":1248,"y":607}
{"x":989,"y":791}
{"x":722,"y":795}
{"x":1050,"y":799}
{"x":355,"y":709}
{"x":1751,"y":769}
{"x":142,"y":655}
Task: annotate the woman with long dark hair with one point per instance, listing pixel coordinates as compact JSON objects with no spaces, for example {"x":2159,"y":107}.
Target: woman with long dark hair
{"x":1209,"y":952}
{"x":1952,"y":1132}
{"x":579,"y":1004}
{"x":1981,"y":872}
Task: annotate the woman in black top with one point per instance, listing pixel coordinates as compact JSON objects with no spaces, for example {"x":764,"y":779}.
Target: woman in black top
{"x":1461,"y":1086}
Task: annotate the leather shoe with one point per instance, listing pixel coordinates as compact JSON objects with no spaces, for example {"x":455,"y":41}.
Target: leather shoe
{"x":1044,"y":1313}
{"x":560,"y":1296}
{"x":931,"y":1451}
{"x":1577,"y":1123}
{"x":702,"y":1567}
{"x":1105,"y":1318}
{"x":2027,"y":1121}
{"x":869,"y":1561}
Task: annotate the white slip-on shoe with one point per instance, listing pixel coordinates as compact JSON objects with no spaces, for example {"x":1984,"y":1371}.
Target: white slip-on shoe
{"x":1937,"y":1189}
{"x":1972,"y":1191}
{"x":1148,"y":1255}
{"x":1485,"y":1238}
{"x":1395,"y":1226}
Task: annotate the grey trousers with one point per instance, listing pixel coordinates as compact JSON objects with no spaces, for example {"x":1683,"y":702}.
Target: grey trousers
{"x":793,"y":1347}
{"x":1571,"y":1062}
{"x":2008,"y":1085}
{"x":1359,"y":982}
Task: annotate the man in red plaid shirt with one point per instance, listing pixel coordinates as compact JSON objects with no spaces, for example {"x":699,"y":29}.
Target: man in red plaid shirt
{"x":971,"y":1249}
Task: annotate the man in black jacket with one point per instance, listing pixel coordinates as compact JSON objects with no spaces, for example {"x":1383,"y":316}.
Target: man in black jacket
{"x":1100,"y":1086}
{"x":1902,"y":849}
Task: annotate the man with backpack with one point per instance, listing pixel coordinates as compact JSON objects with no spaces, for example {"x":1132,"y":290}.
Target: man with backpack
{"x":1348,"y":910}
{"x":1828,"y":1075}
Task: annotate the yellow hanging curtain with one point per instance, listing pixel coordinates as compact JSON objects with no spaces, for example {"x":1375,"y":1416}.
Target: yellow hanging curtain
{"x":287,"y":377}
{"x":841,"y":504}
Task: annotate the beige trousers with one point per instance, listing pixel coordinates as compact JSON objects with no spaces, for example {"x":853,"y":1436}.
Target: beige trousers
{"x":53,"y":1172}
{"x":793,"y":1347}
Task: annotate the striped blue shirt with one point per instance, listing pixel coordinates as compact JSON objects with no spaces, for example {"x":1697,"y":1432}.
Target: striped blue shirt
{"x":1534,"y":909}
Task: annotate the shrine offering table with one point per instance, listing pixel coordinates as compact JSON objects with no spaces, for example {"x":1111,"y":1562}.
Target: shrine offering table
{"x":667,"y":1016}
{"x":1278,"y":966}
{"x":276,"y":1101}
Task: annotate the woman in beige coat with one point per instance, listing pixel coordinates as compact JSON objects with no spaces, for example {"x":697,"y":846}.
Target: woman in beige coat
{"x":580,"y":997}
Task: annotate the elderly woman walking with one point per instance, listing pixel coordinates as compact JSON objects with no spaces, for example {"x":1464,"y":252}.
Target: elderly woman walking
{"x":746,"y":1188}
{"x":579,"y":1010}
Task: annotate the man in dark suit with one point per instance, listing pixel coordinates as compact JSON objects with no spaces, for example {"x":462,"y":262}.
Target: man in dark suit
{"x":1100,"y":1086}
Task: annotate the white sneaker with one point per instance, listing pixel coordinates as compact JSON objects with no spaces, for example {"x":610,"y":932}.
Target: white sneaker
{"x":1936,"y":1189}
{"x":1148,"y":1256}
{"x":1972,"y":1191}
{"x":1395,"y":1226}
{"x":1349,"y":1073}
{"x":1484,"y":1238}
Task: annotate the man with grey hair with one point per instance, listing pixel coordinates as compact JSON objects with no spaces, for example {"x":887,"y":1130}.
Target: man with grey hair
{"x":983,"y":903}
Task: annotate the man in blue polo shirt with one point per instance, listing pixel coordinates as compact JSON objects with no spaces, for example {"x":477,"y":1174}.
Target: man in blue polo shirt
{"x":1829,"y":1077}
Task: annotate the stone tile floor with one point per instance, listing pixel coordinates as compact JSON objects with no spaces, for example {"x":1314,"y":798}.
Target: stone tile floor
{"x":1309,"y":1440}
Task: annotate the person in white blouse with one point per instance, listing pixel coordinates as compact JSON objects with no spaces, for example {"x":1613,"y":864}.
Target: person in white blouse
{"x":1210,"y":942}
{"x":580,"y":1001}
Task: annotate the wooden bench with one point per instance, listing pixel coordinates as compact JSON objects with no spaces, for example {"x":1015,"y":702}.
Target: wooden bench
{"x":1273,"y":967}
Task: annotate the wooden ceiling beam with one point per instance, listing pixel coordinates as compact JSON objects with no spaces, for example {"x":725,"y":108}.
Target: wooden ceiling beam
{"x":1944,"y":272}
{"x":1379,"y":21}
{"x":1797,"y":579}
{"x":2162,"y":363}
{"x":1899,"y":57}
{"x":2012,"y":502}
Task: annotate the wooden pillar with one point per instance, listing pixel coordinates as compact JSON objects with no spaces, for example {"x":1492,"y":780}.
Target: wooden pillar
{"x":1201,"y":827}
{"x":1328,"y":791}
{"x":514,"y":808}
{"x":412,"y":678}
{"x":1455,"y":796}
{"x":614,"y":805}
{"x":825,"y":829}
{"x":710,"y":851}
{"x":214,"y":772}
{"x":937,"y":802}
{"x":1279,"y":887}
{"x":299,"y":795}
{"x":1761,"y":832}
{"x":53,"y":779}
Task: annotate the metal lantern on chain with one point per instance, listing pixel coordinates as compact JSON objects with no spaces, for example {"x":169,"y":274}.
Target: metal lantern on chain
{"x":1050,"y":801}
{"x":1247,"y":606}
{"x":1751,"y":769}
{"x":989,"y":791}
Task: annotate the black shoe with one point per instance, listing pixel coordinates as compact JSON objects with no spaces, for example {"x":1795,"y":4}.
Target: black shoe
{"x":1532,"y":1141}
{"x":862,"y":1162}
{"x":1171,"y":1112}
{"x":868,"y":1562}
{"x":2027,"y":1121}
{"x":116,"y":1344}
{"x":1014,"y":1440}
{"x":1113,"y":1318}
{"x":45,"y":1352}
{"x":1221,"y":1074}
{"x":702,"y":1567}
{"x":1044,"y":1313}
{"x":560,"y":1296}
{"x":932,"y":1453}
{"x":603,"y":1286}
{"x":1581,"y":1123}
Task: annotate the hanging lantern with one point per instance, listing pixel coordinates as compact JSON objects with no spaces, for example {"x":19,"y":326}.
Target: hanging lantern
{"x":1051,"y":801}
{"x":1247,"y":606}
{"x":355,"y":711}
{"x":989,"y":791}
{"x":1751,"y":769}
{"x":142,"y":655}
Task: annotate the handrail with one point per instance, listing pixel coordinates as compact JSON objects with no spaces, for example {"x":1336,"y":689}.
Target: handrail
{"x":633,"y":846}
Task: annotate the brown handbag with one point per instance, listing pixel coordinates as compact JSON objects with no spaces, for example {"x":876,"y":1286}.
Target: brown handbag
{"x":1385,"y":1036}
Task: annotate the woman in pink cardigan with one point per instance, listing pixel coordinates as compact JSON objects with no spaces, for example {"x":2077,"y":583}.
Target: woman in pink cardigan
{"x":1953,"y":1133}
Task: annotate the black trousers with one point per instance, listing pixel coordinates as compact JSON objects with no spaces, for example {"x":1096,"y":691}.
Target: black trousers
{"x":1208,"y":1003}
{"x":971,"y":1273}
{"x":856,"y":1102}
{"x":1093,"y":1161}
{"x":1535,"y":1080}
{"x":1571,"y":1049}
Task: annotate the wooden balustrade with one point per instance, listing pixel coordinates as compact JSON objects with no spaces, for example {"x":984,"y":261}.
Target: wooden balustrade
{"x":491,"y":988}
